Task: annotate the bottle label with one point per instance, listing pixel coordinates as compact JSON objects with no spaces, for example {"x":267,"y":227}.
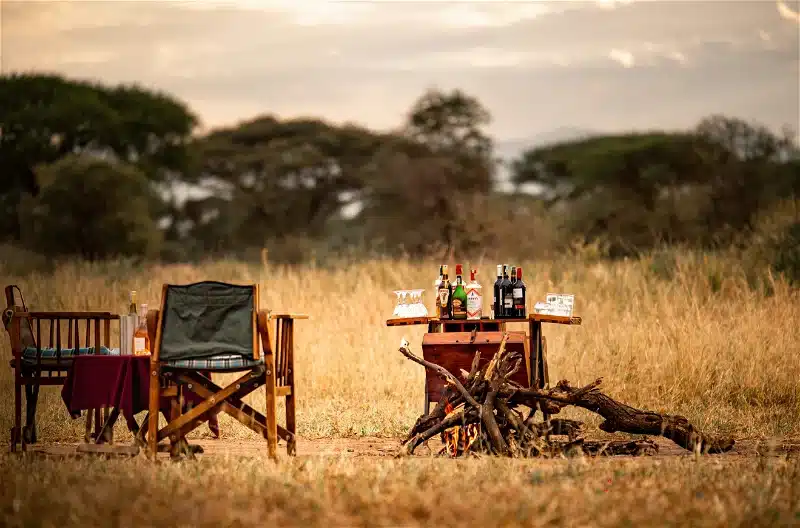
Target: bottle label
{"x":458,"y":308}
{"x":474,"y":305}
{"x":517,"y":293}
{"x":508,"y":301}
{"x":138,"y":345}
{"x":444,"y":297}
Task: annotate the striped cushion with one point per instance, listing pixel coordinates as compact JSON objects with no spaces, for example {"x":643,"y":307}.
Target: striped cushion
{"x":49,"y":357}
{"x":51,"y":353}
{"x":219,"y":362}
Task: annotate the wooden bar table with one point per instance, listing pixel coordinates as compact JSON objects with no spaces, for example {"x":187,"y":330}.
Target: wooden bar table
{"x":452,"y":344}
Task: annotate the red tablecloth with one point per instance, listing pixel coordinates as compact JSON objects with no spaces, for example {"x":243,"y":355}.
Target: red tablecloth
{"x":122,"y":382}
{"x":108,"y":381}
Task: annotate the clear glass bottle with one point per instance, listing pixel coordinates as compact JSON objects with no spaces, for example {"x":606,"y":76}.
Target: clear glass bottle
{"x":474,"y":297}
{"x":141,"y":338}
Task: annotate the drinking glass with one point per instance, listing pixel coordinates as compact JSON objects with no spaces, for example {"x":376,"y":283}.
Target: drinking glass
{"x":405,"y":307}
{"x":412,"y":303}
{"x":397,"y":307}
{"x":421,"y":311}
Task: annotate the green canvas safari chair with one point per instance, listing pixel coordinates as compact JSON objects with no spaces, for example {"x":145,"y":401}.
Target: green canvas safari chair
{"x":216,"y":327}
{"x":43,"y":345}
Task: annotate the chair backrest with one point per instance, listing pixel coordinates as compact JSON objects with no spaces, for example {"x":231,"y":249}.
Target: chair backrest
{"x":26,"y":332}
{"x":207,"y":319}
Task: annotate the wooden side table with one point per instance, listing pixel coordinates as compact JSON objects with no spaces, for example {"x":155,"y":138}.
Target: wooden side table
{"x":456,"y":349}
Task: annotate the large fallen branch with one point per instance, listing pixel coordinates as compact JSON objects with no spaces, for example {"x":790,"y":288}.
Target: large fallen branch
{"x":484,"y":414}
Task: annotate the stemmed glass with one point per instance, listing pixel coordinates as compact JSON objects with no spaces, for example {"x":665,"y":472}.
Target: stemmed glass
{"x":419,"y":308}
{"x":409,"y":304}
{"x":399,"y":308}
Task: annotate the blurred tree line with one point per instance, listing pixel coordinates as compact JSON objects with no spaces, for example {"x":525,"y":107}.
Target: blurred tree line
{"x":100,"y":171}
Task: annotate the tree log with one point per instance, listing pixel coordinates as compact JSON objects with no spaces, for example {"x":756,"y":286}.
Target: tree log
{"x":624,"y":418}
{"x":489,"y":400}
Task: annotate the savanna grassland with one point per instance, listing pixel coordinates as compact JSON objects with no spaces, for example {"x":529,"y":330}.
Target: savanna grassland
{"x":685,"y":334}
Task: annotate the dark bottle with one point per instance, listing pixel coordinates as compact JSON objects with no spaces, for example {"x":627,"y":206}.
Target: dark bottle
{"x":496,"y":304}
{"x":506,"y":301}
{"x":444,"y":296}
{"x":508,"y":294}
{"x":520,"y":303}
{"x":459,"y":296}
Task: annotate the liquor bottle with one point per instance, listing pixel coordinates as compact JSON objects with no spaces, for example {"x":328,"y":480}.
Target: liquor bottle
{"x":474,"y":297}
{"x":506,"y":300}
{"x":444,"y":293}
{"x":436,"y":285}
{"x":508,"y":294}
{"x":141,"y":339}
{"x":132,"y":307}
{"x":459,"y":302}
{"x":496,"y":304}
{"x":520,"y":303}
{"x":127,"y":326}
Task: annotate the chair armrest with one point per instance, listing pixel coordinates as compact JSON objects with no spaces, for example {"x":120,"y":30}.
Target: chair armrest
{"x":152,"y":327}
{"x":289,"y":316}
{"x":262,"y":327}
{"x":68,"y":315}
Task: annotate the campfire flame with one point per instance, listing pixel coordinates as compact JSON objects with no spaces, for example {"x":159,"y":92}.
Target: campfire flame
{"x":458,"y":439}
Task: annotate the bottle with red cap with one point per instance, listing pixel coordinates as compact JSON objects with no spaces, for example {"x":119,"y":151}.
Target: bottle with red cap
{"x":459,"y":296}
{"x":474,"y":297}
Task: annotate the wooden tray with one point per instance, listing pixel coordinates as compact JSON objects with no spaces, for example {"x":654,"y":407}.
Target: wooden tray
{"x":542,"y":318}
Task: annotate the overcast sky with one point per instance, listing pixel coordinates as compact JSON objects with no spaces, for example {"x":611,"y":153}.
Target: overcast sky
{"x":537,"y":66}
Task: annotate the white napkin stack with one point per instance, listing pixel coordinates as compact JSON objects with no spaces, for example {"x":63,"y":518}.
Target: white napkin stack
{"x":127,"y":327}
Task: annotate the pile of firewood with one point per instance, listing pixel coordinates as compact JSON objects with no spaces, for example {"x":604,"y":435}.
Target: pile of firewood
{"x":485,"y":412}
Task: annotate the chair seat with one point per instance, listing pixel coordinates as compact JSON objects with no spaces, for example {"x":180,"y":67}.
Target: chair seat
{"x":218,"y":363}
{"x":50,"y":356}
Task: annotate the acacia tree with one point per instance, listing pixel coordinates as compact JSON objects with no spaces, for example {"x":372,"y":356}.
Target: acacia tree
{"x":642,"y":189}
{"x":752,"y":168}
{"x":426,"y":175}
{"x":269,"y":179}
{"x":44,"y":118}
{"x":93,"y":209}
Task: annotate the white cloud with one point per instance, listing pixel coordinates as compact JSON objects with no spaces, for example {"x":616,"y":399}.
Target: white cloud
{"x":467,"y":15}
{"x":623,"y":57}
{"x":677,"y":56}
{"x":611,"y":4}
{"x":786,"y":12}
{"x":366,"y":61}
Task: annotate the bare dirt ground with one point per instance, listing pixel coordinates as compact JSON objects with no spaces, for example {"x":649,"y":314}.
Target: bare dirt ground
{"x":376,"y":447}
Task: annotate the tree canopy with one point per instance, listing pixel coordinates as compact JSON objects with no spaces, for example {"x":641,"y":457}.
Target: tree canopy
{"x":96,"y":170}
{"x":44,"y":118}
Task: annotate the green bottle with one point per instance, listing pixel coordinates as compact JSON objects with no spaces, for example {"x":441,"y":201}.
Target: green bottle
{"x":459,"y":296}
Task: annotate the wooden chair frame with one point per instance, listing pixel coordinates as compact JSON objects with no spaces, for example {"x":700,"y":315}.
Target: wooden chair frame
{"x":276,"y":375}
{"x":25,"y":330}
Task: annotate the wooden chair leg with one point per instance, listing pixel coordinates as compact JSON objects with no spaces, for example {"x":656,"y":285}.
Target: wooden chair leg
{"x":176,"y":440}
{"x":16,"y":431}
{"x":31,"y":400}
{"x":152,"y":424}
{"x":108,"y":432}
{"x":291,"y":445}
{"x":271,"y":410}
{"x":98,"y":422}
{"x":213,"y":419}
{"x":87,"y":434}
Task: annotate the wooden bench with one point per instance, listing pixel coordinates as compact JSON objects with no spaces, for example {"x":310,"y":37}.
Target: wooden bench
{"x":35,"y":363}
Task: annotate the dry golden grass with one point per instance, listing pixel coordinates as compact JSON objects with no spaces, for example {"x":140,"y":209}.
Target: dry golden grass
{"x":411,"y":492}
{"x":692,"y":338}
